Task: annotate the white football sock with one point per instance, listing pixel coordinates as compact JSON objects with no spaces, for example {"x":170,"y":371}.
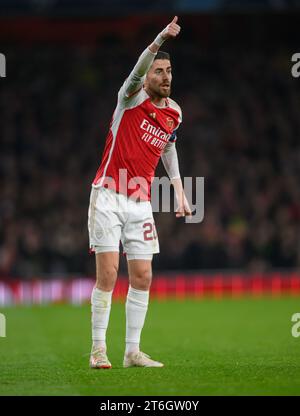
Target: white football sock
{"x":136,"y":309}
{"x":100,"y":305}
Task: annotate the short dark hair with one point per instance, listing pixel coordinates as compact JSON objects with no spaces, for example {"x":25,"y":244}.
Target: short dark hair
{"x":162,"y":55}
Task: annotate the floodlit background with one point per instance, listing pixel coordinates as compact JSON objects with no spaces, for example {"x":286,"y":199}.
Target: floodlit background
{"x":65,"y":62}
{"x":232,"y":77}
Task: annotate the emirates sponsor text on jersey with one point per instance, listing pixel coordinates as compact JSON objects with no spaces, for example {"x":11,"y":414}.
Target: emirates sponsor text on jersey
{"x":154,"y":135}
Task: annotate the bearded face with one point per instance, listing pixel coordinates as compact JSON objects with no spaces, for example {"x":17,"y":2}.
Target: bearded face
{"x":159,"y":78}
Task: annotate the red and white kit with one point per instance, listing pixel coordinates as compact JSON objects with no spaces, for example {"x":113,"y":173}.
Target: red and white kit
{"x":139,"y":134}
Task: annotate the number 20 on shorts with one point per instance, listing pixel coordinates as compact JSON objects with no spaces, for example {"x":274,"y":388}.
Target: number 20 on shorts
{"x":149,"y":231}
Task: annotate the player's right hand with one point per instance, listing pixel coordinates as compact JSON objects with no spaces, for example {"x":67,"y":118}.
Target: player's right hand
{"x":172,"y":30}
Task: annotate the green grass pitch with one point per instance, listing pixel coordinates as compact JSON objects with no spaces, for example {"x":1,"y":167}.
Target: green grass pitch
{"x":209,"y":347}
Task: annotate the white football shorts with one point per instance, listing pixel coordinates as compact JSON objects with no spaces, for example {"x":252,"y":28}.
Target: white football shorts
{"x":114,"y":217}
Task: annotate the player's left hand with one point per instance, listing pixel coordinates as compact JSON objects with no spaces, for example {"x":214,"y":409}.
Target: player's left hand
{"x":183,"y":209}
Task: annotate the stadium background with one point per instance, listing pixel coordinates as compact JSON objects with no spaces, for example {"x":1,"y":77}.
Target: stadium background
{"x":241,"y":108}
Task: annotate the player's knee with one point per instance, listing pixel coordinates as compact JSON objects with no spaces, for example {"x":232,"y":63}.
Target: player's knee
{"x":106,"y":277}
{"x":141,"y":279}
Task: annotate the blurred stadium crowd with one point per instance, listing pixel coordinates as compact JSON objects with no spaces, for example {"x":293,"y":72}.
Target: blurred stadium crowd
{"x":241,"y":123}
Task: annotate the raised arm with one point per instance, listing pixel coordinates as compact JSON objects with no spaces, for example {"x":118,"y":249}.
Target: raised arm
{"x":136,"y":78}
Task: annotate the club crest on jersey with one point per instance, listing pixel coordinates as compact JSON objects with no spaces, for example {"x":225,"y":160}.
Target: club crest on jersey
{"x":170,"y":122}
{"x":153,"y":115}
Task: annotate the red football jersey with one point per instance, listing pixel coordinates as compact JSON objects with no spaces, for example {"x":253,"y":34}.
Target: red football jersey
{"x":138,"y":133}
